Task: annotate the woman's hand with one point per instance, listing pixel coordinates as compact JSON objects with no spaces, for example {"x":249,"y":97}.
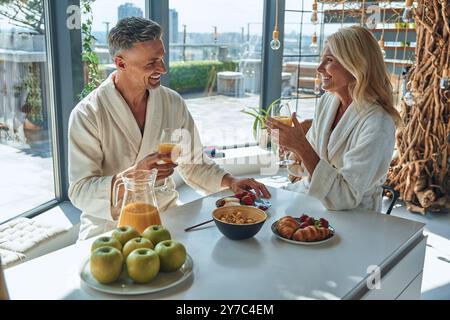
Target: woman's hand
{"x":294,"y":139}
{"x":289,"y":138}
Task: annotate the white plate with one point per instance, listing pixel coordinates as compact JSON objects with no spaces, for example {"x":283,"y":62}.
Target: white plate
{"x":305,"y":243}
{"x":125,"y":286}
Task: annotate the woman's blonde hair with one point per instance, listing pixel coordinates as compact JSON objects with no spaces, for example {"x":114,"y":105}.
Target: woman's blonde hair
{"x":357,"y":50}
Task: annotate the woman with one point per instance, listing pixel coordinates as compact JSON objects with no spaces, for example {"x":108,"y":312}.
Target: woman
{"x":348,"y":149}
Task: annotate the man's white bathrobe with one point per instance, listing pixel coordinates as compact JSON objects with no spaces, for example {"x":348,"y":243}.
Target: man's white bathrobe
{"x":354,"y":158}
{"x":104,"y":139}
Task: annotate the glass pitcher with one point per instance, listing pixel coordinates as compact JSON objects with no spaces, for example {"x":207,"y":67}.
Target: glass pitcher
{"x":139,"y":206}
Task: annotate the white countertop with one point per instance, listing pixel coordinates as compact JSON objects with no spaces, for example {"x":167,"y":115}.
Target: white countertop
{"x":263,"y":267}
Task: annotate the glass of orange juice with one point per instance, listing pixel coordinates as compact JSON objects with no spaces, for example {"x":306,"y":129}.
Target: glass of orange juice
{"x":282,"y":113}
{"x":169,"y":149}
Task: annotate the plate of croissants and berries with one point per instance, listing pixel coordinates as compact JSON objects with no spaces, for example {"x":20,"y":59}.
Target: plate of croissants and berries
{"x":305,"y":230}
{"x":244,"y":199}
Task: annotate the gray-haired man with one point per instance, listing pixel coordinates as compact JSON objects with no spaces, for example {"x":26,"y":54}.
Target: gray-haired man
{"x":117,"y":127}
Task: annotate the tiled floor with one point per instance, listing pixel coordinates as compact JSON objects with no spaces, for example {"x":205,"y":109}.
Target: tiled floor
{"x":436,"y":277}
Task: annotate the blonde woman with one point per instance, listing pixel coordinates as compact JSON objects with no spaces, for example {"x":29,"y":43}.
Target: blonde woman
{"x":348,"y":149}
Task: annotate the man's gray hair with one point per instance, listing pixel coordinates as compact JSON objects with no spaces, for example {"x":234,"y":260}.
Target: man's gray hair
{"x":131,"y":30}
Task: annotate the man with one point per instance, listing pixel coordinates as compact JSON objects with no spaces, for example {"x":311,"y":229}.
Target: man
{"x":116,"y":129}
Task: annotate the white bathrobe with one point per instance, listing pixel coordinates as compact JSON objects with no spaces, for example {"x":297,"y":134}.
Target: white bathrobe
{"x":354,"y":158}
{"x":104,"y":139}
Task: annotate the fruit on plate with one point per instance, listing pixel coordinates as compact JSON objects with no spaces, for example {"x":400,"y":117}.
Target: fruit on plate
{"x":305,"y":228}
{"x":136,"y":243}
{"x":156,"y":234}
{"x":125,"y":233}
{"x":172,"y":255}
{"x":106,"y":242}
{"x":143,"y":265}
{"x":246,"y":198}
{"x":106,"y":264}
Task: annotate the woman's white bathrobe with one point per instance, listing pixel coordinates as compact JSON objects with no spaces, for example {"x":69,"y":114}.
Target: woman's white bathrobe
{"x":354,"y":159}
{"x":104,"y":139}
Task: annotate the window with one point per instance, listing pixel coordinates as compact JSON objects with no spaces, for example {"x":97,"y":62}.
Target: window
{"x":215,"y":64}
{"x":302,"y":46}
{"x":25,"y":132}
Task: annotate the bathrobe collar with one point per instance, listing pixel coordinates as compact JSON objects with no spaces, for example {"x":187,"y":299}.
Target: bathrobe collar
{"x":341,"y":132}
{"x":142,"y":144}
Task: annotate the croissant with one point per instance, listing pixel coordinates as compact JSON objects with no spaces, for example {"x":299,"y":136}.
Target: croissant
{"x":311,"y":233}
{"x":285,"y":231}
{"x":289,"y":221}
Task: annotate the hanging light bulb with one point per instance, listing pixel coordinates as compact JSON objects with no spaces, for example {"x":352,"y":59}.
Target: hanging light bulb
{"x":445,"y":80}
{"x":314,"y":47}
{"x":381,"y":44}
{"x":317,"y":85}
{"x":408,"y":13}
{"x":409,"y":99}
{"x":275,"y":44}
{"x":314,"y":19}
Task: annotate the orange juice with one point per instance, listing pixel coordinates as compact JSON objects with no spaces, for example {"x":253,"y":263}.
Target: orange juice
{"x":139,"y":215}
{"x":171,"y":150}
{"x":284,"y":119}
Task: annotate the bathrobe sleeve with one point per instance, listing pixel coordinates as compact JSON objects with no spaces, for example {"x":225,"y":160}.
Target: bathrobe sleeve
{"x":365,"y":163}
{"x":89,"y":190}
{"x":199,"y":171}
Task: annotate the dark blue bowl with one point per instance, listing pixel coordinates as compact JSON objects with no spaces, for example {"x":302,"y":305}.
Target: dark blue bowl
{"x":237,"y":231}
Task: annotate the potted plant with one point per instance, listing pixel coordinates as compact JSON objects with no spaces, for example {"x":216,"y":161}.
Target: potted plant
{"x":260,"y":132}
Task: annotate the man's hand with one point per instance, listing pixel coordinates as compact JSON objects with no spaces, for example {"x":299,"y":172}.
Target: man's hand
{"x":242,"y":185}
{"x":154,"y":161}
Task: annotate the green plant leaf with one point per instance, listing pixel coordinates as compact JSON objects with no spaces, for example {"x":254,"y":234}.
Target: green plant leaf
{"x":250,"y":113}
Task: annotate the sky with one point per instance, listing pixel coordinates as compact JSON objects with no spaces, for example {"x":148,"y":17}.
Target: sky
{"x":202,"y":15}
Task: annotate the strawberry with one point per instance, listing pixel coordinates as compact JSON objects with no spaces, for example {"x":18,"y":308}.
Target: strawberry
{"x":247,"y":200}
{"x":324,"y":223}
{"x":304,"y":217}
{"x":304,"y":225}
{"x":311,"y":221}
{"x":240,"y":195}
{"x":263,"y":207}
{"x":252,"y":195}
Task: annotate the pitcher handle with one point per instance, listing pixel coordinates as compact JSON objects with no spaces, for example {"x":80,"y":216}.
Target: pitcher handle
{"x":116,"y":188}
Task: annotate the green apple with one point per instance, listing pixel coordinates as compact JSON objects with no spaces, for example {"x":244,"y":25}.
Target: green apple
{"x":172,"y":255}
{"x":124,"y":234}
{"x":106,"y":242}
{"x":136,"y":243}
{"x":156,"y":234}
{"x":106,"y":264}
{"x":143,"y":265}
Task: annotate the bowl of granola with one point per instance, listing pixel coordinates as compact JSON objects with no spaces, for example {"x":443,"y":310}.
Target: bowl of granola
{"x":239,"y":222}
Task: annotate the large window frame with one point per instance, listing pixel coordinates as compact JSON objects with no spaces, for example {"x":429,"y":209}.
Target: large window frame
{"x":65,"y":74}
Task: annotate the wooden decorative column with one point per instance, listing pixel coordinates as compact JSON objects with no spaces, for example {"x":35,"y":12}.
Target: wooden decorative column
{"x":420,"y":171}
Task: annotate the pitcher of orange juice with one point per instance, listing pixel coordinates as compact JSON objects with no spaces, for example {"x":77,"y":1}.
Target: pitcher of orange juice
{"x":139,"y":206}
